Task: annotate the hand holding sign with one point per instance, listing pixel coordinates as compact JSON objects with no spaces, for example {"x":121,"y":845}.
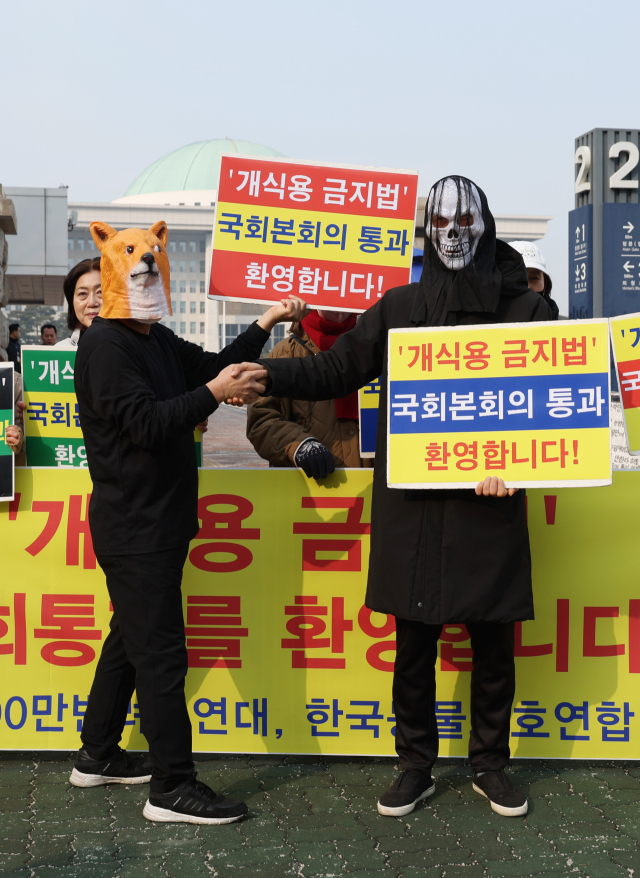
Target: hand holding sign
{"x":494,"y":487}
{"x":288,"y":310}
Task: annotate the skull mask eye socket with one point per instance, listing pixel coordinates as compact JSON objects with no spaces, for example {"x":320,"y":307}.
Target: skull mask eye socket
{"x":455,"y":224}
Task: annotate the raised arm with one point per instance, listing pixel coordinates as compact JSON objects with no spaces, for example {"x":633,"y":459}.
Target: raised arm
{"x":200,"y":366}
{"x":355,"y":359}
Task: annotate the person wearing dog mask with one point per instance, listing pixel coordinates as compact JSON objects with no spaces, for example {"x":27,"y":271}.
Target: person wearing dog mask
{"x":536,"y":265}
{"x":141,"y":391}
{"x":440,"y":556}
{"x":317,"y":437}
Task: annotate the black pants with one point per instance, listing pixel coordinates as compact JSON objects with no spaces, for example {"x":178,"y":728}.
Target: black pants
{"x":145,"y":650}
{"x":493,"y":682}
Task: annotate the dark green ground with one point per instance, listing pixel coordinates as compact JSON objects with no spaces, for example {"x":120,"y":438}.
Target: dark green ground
{"x":317,"y":817}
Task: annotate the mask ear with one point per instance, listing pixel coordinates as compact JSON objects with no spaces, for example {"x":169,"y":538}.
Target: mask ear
{"x":161,"y":232}
{"x":101,"y":232}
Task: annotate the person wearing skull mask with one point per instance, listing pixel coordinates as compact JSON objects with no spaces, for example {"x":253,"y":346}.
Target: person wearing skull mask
{"x":440,"y":556}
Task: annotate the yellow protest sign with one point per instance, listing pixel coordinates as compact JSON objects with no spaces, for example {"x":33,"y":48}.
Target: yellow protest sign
{"x":338,"y":236}
{"x":368,"y":406}
{"x":283,"y":655}
{"x":526,"y":402}
{"x":625,"y":335}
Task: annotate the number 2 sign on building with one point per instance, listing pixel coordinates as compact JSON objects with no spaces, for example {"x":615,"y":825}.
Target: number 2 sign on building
{"x":338,"y":236}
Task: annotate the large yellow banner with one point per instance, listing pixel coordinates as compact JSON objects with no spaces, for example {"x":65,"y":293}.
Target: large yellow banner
{"x":283,"y":655}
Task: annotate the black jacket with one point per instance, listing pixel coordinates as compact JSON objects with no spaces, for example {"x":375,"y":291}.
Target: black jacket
{"x":140,"y":398}
{"x":436,"y":556}
{"x":14,"y":353}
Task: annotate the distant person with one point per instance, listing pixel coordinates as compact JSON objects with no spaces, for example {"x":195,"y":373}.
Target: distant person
{"x":539,"y":280}
{"x":48,"y":335}
{"x":13,"y":350}
{"x":83,"y":292}
{"x":315,"y":436}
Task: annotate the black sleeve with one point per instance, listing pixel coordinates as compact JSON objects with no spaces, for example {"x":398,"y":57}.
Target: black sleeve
{"x":117,"y":390}
{"x":355,"y":359}
{"x":201,"y":366}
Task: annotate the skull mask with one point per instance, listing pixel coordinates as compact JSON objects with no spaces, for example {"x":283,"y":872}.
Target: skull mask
{"x":455,"y":224}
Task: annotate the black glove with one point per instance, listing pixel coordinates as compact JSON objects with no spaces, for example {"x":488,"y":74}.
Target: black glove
{"x":315,"y":460}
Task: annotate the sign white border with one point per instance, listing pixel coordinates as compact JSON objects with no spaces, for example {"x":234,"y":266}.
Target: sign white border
{"x":314,"y":164}
{"x":449,"y":486}
{"x":621,"y":317}
{"x":8,"y":366}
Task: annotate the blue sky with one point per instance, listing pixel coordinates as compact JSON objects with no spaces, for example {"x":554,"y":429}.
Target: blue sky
{"x":93,"y":93}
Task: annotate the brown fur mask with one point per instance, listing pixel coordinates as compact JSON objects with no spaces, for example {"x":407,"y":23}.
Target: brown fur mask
{"x":134,"y":271}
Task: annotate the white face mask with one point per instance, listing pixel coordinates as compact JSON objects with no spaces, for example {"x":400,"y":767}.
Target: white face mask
{"x":149,"y":322}
{"x":454,"y":227}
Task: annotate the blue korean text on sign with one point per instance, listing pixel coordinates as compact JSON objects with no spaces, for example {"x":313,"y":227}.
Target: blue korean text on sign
{"x":581,"y":263}
{"x":621,"y":259}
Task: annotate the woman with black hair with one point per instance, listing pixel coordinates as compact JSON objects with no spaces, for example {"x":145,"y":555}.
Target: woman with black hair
{"x":83,"y":292}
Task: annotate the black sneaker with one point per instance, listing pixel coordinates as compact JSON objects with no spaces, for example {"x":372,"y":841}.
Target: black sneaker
{"x":192,"y":802}
{"x":121,"y":768}
{"x":505,"y":798}
{"x":402,"y":796}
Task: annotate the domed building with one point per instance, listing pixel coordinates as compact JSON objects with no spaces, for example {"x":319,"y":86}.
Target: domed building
{"x":188,"y":176}
{"x":180,"y":188}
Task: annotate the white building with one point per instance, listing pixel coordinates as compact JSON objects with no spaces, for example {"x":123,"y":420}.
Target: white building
{"x":181,"y":188}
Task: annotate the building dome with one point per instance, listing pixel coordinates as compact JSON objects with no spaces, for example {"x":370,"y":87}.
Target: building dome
{"x":192,"y":168}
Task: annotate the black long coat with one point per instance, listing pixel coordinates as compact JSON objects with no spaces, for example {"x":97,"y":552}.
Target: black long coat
{"x":437,"y":556}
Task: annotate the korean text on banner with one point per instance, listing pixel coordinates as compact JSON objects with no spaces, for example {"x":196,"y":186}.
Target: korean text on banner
{"x":625,"y":338}
{"x":51,"y":420}
{"x":283,"y":655}
{"x":526,"y":402}
{"x":338,"y":236}
{"x":7,"y":457}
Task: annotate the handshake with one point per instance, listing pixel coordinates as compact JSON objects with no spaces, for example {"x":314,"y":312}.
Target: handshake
{"x":240,"y":383}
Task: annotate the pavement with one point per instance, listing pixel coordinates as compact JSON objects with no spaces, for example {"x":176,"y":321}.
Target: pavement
{"x":225,"y":443}
{"x":316,"y":817}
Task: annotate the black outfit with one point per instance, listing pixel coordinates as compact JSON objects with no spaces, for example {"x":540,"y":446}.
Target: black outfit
{"x":437,"y":556}
{"x":493,"y":684}
{"x":14,"y":353}
{"x":140,"y":398}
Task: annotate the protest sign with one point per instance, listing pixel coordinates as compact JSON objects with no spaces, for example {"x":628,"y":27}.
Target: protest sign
{"x":7,"y":457}
{"x":368,"y":403}
{"x":526,"y":402}
{"x":52,"y":422}
{"x":338,"y":236}
{"x":625,"y":335}
{"x":283,"y":655}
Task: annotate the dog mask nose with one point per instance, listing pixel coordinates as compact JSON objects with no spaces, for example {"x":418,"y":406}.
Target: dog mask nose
{"x":149,"y":260}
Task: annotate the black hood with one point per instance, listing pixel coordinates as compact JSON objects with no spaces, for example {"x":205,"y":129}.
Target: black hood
{"x":496,"y":270}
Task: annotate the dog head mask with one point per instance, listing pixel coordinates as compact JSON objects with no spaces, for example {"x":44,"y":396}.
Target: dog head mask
{"x":135,"y":272}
